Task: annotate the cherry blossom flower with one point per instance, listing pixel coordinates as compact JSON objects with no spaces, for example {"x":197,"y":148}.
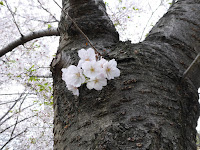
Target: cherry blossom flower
{"x":73,"y":76}
{"x":97,"y":83}
{"x":94,"y":73}
{"x":74,"y":89}
{"x":91,"y":69}
{"x":102,"y":61}
{"x":111,"y":70}
{"x":86,"y":55}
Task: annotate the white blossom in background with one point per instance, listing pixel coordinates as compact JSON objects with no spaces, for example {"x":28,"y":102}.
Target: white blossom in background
{"x":133,"y":19}
{"x":91,"y":71}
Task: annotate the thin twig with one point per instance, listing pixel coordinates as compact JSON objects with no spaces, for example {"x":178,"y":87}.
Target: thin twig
{"x":3,"y":103}
{"x":12,"y":139}
{"x":195,"y":61}
{"x":172,"y":4}
{"x":149,"y":20}
{"x":15,"y":114}
{"x":96,"y":51}
{"x":17,"y":122}
{"x":37,"y":20}
{"x":38,"y":76}
{"x":13,"y":18}
{"x":11,"y":107}
{"x":14,"y":94}
{"x":47,"y":10}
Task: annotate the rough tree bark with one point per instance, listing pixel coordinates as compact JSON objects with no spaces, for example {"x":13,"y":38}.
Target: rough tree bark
{"x":148,"y":107}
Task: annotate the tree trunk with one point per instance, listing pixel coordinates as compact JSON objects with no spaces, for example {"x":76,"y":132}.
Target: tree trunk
{"x":148,"y":107}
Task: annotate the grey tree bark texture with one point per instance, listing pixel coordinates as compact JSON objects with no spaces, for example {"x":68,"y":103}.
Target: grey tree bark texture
{"x":148,"y":107}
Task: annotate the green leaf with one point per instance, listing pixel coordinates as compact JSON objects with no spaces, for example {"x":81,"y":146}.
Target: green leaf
{"x":41,"y":90}
{"x":116,"y":24}
{"x":123,"y":8}
{"x":37,"y":46}
{"x":41,"y":87}
{"x":51,"y":103}
{"x":1,"y":3}
{"x":50,"y":88}
{"x":49,"y":26}
{"x":19,"y":76}
{"x":35,"y":110}
{"x":12,"y":61}
{"x":135,"y":8}
{"x":33,"y":79}
{"x":46,"y":103}
{"x":31,"y":69}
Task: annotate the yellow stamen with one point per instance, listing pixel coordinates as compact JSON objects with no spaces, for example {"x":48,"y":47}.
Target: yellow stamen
{"x":92,"y":69}
{"x":78,"y":74}
{"x":96,"y":80}
{"x":87,"y":59}
{"x":108,"y":70}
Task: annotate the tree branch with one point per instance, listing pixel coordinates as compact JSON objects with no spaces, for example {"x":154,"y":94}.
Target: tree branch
{"x":29,"y":37}
{"x":17,"y":94}
{"x":13,"y":138}
{"x":17,"y":122}
{"x":14,"y":115}
{"x":11,"y":107}
{"x":9,"y":9}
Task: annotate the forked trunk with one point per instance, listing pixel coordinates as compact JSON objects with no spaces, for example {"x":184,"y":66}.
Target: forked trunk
{"x":148,"y":107}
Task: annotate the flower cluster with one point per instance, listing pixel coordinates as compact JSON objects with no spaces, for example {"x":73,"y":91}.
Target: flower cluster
{"x":90,"y":71}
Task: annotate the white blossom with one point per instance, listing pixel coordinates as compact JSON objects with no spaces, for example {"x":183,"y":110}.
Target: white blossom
{"x":94,"y":73}
{"x":86,"y":55}
{"x":74,"y":89}
{"x":97,"y":83}
{"x":102,"y":61}
{"x":91,"y":69}
{"x":73,"y":76}
{"x":111,"y":70}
